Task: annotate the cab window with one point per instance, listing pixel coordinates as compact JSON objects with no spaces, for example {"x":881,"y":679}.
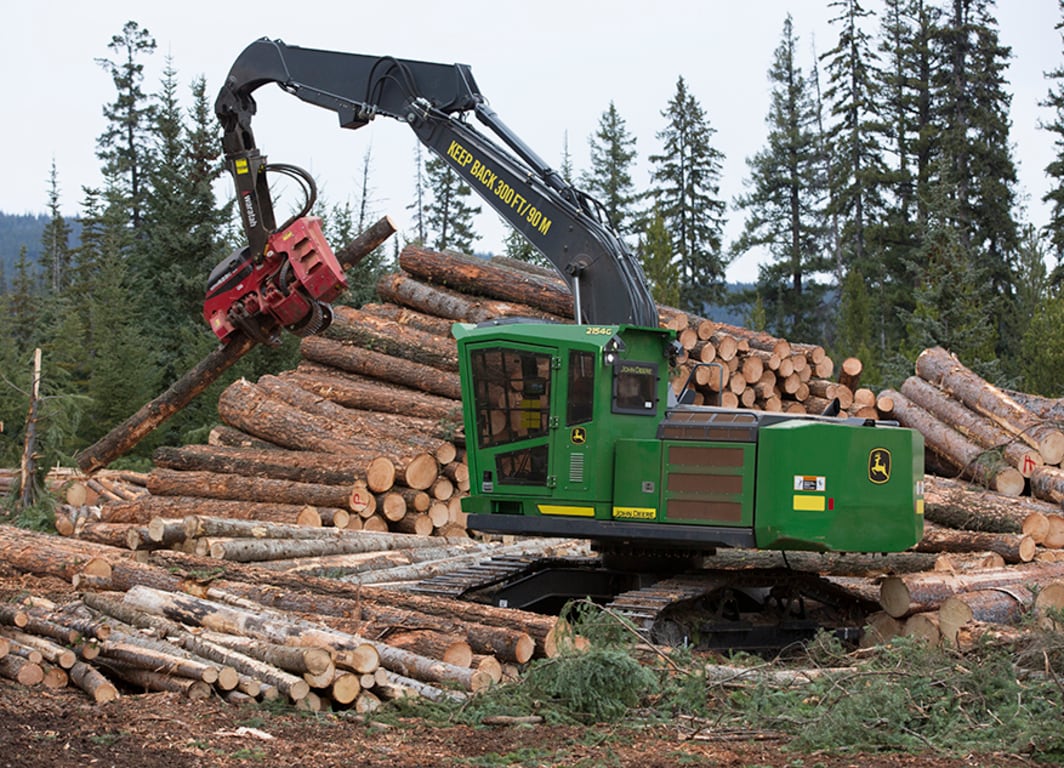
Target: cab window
{"x":635,"y":387}
{"x":511,"y":391}
{"x":580,"y":405}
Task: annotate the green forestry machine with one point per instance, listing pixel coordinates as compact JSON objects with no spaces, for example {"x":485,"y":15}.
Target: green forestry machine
{"x":571,"y":430}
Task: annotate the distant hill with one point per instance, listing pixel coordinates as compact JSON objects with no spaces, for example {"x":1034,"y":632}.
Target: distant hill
{"x":26,"y":229}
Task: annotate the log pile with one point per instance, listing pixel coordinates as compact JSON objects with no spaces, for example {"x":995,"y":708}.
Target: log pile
{"x":184,"y":623}
{"x":975,"y":430}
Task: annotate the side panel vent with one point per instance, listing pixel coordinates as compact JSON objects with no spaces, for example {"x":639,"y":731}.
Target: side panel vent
{"x":576,"y":468}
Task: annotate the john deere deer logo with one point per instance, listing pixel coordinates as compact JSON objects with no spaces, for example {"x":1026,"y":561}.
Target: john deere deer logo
{"x":879,"y":466}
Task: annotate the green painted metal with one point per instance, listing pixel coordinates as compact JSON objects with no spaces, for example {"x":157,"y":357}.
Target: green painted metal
{"x":565,"y":424}
{"x":835,"y":486}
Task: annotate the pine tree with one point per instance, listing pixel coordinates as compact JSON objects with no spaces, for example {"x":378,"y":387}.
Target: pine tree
{"x":1055,"y":170}
{"x":55,"y":241}
{"x":783,"y":201}
{"x":450,"y":217}
{"x":1042,"y":348}
{"x":420,"y":234}
{"x":23,"y":303}
{"x":661,"y":270}
{"x":853,"y":96}
{"x":973,"y":167}
{"x":686,"y":174}
{"x":610,"y":176}
{"x":906,"y":133}
{"x":123,"y":146}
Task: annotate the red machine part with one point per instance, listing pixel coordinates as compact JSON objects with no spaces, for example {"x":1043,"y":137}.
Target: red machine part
{"x":298,"y":273}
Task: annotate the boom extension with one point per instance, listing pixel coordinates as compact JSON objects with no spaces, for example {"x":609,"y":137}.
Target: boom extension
{"x":562,"y":222}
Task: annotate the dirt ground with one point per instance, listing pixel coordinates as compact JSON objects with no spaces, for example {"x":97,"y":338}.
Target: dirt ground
{"x":63,"y":729}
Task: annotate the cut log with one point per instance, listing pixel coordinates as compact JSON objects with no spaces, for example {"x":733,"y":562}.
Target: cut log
{"x":964,"y":454}
{"x":218,"y":485}
{"x":942,"y":369}
{"x":1047,"y":484}
{"x":381,"y":367}
{"x":1049,"y":605}
{"x":911,"y":593}
{"x":979,"y":429}
{"x":850,"y":373}
{"x":22,"y":671}
{"x":1013,"y":547}
{"x":359,"y":393}
{"x":442,"y":302}
{"x":483,"y":278}
{"x":388,"y":337}
{"x":436,"y":645}
{"x":145,"y":509}
{"x":277,"y":464}
{"x":956,"y":504}
{"x":998,"y":606}
{"x":89,"y":679}
{"x":287,"y":630}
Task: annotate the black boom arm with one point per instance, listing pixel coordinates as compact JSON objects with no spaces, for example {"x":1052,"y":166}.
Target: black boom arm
{"x":565,"y":224}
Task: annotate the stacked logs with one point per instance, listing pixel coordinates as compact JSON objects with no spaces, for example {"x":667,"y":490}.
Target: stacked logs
{"x":242,"y":632}
{"x":976,"y":430}
{"x":1012,"y":569}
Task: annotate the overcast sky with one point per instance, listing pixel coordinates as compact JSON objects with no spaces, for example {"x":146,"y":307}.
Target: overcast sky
{"x":549,"y":68}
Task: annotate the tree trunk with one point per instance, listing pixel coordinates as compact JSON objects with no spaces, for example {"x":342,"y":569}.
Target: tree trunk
{"x":218,"y":485}
{"x":937,"y":366}
{"x":911,"y":593}
{"x":388,"y":337}
{"x":979,"y":429}
{"x":945,"y":441}
{"x":381,"y":367}
{"x":1013,"y":547}
{"x":484,"y":278}
{"x":443,"y":302}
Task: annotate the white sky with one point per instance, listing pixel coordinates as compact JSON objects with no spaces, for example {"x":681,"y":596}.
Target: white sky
{"x":549,"y":68}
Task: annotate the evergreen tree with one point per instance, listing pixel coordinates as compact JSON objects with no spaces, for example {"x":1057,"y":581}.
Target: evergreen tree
{"x":123,"y":146}
{"x":1055,"y":170}
{"x":950,"y":308}
{"x":23,"y":303}
{"x":420,"y":234}
{"x":973,"y":168}
{"x":854,"y":337}
{"x":906,"y":133}
{"x":55,"y":241}
{"x":450,"y":217}
{"x":610,"y":177}
{"x":853,"y":95}
{"x":661,"y":270}
{"x":1042,"y":348}
{"x":784,"y":198}
{"x":1032,"y":276}
{"x":516,"y":246}
{"x":686,"y":175}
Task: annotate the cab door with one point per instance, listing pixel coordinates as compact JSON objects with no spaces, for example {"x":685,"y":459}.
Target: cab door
{"x":513,"y":388}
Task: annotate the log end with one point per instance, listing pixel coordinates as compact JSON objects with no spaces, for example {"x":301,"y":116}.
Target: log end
{"x":894,"y":597}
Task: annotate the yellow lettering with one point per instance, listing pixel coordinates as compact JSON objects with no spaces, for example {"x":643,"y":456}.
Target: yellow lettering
{"x":459,"y":154}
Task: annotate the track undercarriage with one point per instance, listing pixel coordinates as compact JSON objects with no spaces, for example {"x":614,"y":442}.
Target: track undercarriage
{"x":676,"y":602}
